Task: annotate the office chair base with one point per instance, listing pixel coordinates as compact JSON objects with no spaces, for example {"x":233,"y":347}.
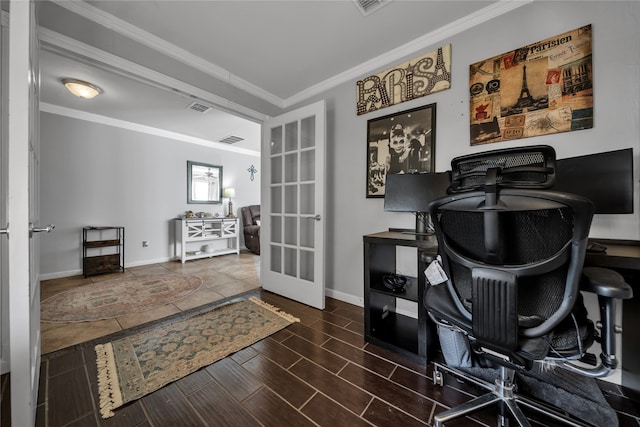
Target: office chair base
{"x":501,"y":393}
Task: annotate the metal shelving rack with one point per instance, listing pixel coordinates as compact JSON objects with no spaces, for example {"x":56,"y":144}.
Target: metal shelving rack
{"x":102,"y":250}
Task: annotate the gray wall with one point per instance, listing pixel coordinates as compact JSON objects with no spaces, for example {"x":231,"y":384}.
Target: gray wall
{"x":93,"y":174}
{"x":616,"y":95}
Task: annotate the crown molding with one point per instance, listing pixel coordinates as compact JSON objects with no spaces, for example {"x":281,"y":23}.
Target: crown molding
{"x":49,"y":38}
{"x":428,"y":40}
{"x":122,"y":124}
{"x":432,"y":38}
{"x":160,"y":45}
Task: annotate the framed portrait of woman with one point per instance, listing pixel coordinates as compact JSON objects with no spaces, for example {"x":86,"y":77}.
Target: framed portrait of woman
{"x":402,"y":142}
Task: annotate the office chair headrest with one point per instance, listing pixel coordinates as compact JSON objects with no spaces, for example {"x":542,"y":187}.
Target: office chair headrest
{"x":520,"y":167}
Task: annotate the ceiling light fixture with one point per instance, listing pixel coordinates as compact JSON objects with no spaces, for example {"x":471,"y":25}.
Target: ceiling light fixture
{"x":81,"y":89}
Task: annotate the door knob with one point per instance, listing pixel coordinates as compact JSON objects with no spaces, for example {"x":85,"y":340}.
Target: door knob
{"x":48,"y":228}
{"x":317,"y":217}
{"x":5,"y":230}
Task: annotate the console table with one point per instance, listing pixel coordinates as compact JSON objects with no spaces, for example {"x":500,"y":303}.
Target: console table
{"x":206,"y":237}
{"x":384,"y":325}
{"x":623,"y":256}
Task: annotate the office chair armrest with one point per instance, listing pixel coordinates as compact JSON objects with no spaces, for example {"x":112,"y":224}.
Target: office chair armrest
{"x":605,"y":282}
{"x":610,"y":287}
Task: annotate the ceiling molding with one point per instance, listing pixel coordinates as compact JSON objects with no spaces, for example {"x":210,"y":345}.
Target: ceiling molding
{"x":432,"y":38}
{"x":122,"y":124}
{"x":428,"y":40}
{"x":76,"y":48}
{"x":160,"y":45}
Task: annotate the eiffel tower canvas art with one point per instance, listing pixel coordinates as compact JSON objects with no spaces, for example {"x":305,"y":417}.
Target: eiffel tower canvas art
{"x":539,"y":89}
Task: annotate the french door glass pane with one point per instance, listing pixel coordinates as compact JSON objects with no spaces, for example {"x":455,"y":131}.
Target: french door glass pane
{"x":276,"y":199}
{"x":307,"y":199}
{"x":308,"y":132}
{"x":291,"y":230}
{"x":291,"y":199}
{"x":307,"y":165}
{"x":291,"y":136}
{"x":290,"y":262}
{"x":276,"y":229}
{"x":306,"y":265}
{"x":276,"y":170}
{"x":276,"y":140}
{"x":307,"y":230}
{"x":276,"y":258}
{"x":291,"y":167}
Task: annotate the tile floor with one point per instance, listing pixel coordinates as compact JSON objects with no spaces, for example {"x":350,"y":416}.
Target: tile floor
{"x":222,"y":277}
{"x":319,"y":372}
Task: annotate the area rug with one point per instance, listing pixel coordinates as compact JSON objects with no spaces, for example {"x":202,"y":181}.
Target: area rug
{"x":113,"y":298}
{"x":134,"y":366}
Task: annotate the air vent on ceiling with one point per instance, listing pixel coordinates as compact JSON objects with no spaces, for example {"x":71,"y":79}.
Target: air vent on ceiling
{"x":198,"y":107}
{"x":231,"y":139}
{"x":370,"y":6}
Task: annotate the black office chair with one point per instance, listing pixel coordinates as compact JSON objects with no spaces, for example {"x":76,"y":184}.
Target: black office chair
{"x":513,"y":253}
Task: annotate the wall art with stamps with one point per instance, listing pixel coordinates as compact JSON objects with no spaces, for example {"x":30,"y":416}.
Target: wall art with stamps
{"x":539,"y":89}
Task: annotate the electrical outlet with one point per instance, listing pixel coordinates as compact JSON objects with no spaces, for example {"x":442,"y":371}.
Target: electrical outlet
{"x":145,"y":243}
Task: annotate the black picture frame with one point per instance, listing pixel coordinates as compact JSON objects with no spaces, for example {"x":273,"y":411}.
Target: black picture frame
{"x":413,"y":154}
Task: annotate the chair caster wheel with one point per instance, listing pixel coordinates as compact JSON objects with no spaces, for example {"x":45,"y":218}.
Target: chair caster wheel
{"x":438,"y":378}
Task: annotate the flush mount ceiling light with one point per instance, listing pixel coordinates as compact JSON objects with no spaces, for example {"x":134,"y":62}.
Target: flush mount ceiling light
{"x":81,"y":89}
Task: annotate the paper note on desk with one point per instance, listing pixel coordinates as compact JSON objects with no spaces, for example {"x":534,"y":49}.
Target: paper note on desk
{"x":434,"y":272}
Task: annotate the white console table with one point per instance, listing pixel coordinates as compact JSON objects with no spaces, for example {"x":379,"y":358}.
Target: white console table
{"x":206,"y":237}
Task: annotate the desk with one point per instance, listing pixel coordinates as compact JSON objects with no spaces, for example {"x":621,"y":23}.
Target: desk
{"x":624,"y":256}
{"x":411,"y":336}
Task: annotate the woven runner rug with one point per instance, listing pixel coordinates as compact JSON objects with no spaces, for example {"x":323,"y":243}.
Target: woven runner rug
{"x":132,"y":367}
{"x":114,"y":298}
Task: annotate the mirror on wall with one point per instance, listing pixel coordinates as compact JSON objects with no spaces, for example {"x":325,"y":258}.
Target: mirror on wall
{"x":204,"y":183}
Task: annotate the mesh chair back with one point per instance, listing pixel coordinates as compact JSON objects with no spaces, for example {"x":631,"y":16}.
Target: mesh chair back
{"x":535,"y":239}
{"x":526,"y":167}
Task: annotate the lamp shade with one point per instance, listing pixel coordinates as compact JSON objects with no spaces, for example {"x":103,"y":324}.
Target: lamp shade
{"x":229,"y":192}
{"x":81,"y":89}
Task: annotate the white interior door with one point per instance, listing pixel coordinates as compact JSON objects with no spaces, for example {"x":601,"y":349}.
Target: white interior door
{"x":292,"y":232}
{"x":24,"y":290}
{"x":4,"y":174}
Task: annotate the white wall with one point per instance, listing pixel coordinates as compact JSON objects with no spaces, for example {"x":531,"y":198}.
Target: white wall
{"x":616,"y":60}
{"x":93,"y":174}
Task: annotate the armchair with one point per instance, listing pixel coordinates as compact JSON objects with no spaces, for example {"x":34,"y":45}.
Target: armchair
{"x":513,"y":255}
{"x":251,"y":227}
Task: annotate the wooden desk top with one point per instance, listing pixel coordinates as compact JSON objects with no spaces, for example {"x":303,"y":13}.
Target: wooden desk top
{"x":619,"y":254}
{"x":403,"y":238}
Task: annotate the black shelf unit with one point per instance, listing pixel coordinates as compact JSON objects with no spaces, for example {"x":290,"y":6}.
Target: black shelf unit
{"x":384,"y":326}
{"x":102,"y":250}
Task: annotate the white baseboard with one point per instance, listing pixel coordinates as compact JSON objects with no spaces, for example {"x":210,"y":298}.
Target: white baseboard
{"x":69,"y":273}
{"x":60,"y":274}
{"x":341,"y":296}
{"x":149,"y":261}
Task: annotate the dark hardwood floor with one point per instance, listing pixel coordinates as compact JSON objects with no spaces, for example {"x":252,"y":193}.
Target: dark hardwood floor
{"x":319,"y":372}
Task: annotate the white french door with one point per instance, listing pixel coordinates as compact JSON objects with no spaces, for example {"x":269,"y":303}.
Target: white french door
{"x":293,"y":205}
{"x":22,"y":206}
{"x":4,"y":195}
